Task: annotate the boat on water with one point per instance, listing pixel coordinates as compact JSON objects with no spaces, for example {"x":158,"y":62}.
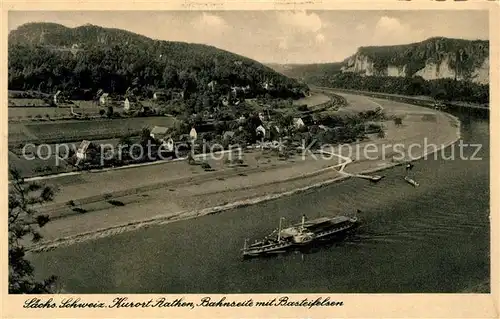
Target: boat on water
{"x":411,"y":181}
{"x":300,"y":234}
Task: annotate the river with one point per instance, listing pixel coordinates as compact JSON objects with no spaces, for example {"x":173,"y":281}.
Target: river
{"x":434,"y":238}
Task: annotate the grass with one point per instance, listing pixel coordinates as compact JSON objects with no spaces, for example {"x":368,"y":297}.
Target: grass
{"x":27,"y":102}
{"x":314,"y":99}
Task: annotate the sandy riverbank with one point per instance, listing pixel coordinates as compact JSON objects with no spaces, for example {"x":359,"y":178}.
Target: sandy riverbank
{"x":173,"y":191}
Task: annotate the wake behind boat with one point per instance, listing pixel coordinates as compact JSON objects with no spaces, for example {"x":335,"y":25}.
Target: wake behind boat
{"x":299,"y":234}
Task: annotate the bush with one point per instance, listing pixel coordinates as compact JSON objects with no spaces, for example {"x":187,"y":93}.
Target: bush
{"x":109,"y":112}
{"x":190,"y":159}
{"x":302,"y":108}
{"x":206,"y":166}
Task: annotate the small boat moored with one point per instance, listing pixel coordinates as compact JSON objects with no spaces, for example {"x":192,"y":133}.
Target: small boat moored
{"x":411,"y":181}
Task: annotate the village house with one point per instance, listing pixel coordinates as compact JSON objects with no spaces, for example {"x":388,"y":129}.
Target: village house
{"x":324,"y":128}
{"x":235,"y":90}
{"x":267,"y":85}
{"x":161,"y":134}
{"x":158,"y":132}
{"x":75,"y":48}
{"x":193,"y":134}
{"x":167,"y":144}
{"x":126,"y":105}
{"x":228,"y":135}
{"x":178,"y":95}
{"x":298,"y":123}
{"x":160,"y":96}
{"x":261,"y":132}
{"x":56,"y":98}
{"x":212,"y":85}
{"x":82,"y":151}
{"x":103,"y":99}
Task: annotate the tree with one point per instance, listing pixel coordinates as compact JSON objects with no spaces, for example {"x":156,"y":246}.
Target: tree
{"x":398,"y":121}
{"x":102,"y":112}
{"x":25,"y":220}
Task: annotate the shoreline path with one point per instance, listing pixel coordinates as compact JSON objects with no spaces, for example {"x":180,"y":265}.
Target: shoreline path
{"x":167,"y":192}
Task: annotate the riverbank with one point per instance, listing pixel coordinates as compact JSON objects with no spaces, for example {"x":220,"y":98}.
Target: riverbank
{"x":193,"y":197}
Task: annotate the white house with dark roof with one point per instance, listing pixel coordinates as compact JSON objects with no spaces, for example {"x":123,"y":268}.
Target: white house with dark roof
{"x":56,"y":101}
{"x":193,"y":134}
{"x":298,"y":122}
{"x":228,"y":135}
{"x":261,"y":131}
{"x":103,"y":99}
{"x":126,"y":105}
{"x":81,"y":152}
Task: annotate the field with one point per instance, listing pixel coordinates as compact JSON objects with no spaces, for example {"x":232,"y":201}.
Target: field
{"x":68,"y":131}
{"x":28,"y":109}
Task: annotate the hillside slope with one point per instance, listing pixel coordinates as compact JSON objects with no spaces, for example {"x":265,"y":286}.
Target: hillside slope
{"x":307,"y":72}
{"x":49,"y":57}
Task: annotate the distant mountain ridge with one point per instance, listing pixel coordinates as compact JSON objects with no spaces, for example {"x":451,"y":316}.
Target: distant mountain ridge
{"x":434,"y":58}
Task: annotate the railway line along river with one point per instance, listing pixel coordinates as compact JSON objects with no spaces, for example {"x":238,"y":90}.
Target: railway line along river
{"x":433,"y":238}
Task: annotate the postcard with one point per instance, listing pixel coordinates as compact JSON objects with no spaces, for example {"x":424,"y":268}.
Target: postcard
{"x":256,"y":159}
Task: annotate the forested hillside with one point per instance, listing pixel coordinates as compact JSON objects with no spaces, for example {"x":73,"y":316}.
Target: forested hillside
{"x":48,"y":57}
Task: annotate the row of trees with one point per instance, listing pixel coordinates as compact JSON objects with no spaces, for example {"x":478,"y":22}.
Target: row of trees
{"x":440,"y":89}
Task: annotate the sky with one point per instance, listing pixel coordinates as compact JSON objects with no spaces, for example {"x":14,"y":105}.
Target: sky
{"x":279,"y":36}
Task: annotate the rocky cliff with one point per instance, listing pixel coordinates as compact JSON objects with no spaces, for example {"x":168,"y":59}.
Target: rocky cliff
{"x":435,"y":58}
